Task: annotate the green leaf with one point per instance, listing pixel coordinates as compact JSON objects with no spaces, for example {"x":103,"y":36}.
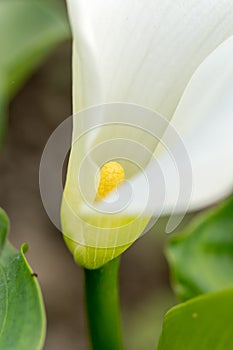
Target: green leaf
{"x":22,"y":315}
{"x":203,"y":323}
{"x":201,"y":260}
{"x":29,"y":30}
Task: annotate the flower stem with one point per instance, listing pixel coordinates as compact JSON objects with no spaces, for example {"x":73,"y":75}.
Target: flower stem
{"x":102,"y":300}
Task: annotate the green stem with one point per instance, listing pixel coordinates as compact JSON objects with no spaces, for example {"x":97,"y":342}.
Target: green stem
{"x":102,"y":300}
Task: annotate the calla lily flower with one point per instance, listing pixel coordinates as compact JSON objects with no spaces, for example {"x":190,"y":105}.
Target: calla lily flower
{"x":170,"y":58}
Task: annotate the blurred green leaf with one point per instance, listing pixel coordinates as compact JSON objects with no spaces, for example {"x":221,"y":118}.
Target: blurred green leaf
{"x":203,"y":323}
{"x":22,"y":315}
{"x":201,"y":260}
{"x":29,"y":30}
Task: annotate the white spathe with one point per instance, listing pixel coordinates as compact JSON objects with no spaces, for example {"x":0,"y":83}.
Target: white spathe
{"x":142,"y":52}
{"x":204,"y":120}
{"x":166,"y":56}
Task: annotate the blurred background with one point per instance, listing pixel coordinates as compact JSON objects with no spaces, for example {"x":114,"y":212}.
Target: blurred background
{"x":38,"y":107}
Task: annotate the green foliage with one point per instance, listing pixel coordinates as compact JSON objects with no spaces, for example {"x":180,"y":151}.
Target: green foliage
{"x":203,"y":323}
{"x":201,"y":260}
{"x":22,"y":315}
{"x":29,"y":30}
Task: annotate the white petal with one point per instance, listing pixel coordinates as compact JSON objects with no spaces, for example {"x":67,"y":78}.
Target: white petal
{"x":204,"y":119}
{"x":137,"y":52}
{"x":208,"y":105}
{"x":142,"y":52}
